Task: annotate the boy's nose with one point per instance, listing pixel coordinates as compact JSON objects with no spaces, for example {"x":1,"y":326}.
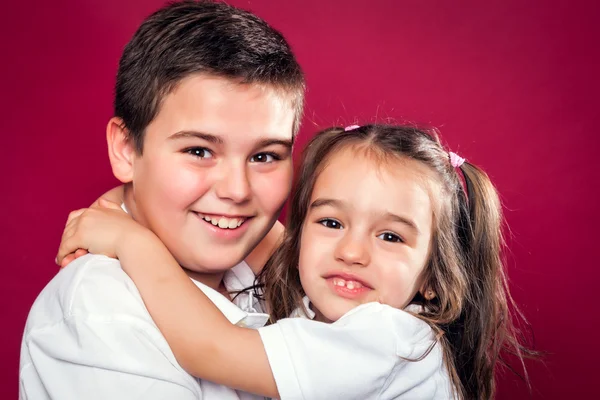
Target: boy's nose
{"x":234,"y":184}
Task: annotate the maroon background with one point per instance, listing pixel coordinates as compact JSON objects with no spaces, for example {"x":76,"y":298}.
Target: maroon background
{"x":511,"y":84}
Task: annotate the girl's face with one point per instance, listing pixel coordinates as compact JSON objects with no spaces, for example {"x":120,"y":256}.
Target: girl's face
{"x":367,"y":233}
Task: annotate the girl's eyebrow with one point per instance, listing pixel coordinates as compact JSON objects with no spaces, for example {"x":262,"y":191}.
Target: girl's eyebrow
{"x":403,"y":220}
{"x":321,"y":202}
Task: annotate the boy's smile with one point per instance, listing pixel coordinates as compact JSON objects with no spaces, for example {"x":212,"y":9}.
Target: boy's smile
{"x":225,"y":227}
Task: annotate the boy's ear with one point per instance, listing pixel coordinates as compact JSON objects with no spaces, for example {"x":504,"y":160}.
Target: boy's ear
{"x":121,"y":150}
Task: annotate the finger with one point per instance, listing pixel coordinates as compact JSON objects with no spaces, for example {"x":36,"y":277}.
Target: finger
{"x":67,"y":260}
{"x":102,"y":202}
{"x":64,"y":253}
{"x":80,"y":253}
{"x":66,"y":247}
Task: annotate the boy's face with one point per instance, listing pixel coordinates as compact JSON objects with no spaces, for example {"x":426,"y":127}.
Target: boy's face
{"x":215,"y":171}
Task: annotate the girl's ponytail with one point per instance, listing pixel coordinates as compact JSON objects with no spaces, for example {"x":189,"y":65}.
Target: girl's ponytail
{"x":488,"y":324}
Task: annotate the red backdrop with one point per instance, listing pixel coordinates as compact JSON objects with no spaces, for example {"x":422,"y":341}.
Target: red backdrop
{"x":511,"y":84}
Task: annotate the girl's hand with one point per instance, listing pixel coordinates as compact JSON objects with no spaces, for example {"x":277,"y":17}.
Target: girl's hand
{"x":100,"y":230}
{"x":70,"y":257}
{"x":114,"y":195}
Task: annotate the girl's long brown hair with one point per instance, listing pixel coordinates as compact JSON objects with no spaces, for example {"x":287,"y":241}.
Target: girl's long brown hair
{"x":472,"y":308}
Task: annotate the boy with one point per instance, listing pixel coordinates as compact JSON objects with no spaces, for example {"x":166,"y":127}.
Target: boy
{"x":208,"y":100}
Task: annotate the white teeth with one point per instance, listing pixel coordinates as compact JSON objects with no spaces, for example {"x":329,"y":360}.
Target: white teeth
{"x":339,"y":282}
{"x":348,"y":284}
{"x":222,"y":222}
{"x":355,"y":285}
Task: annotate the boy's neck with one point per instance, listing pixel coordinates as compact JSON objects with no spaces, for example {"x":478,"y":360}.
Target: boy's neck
{"x":213,"y":280}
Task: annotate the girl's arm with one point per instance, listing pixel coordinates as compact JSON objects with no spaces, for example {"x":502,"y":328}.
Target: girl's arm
{"x":204,"y":342}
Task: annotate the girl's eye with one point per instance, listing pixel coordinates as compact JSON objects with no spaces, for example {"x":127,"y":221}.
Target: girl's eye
{"x":199,"y":152}
{"x":264,"y":158}
{"x":330,"y":223}
{"x":390,"y":237}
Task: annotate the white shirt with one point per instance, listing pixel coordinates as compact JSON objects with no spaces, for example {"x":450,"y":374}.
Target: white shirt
{"x":363,"y":355}
{"x":89,"y":336}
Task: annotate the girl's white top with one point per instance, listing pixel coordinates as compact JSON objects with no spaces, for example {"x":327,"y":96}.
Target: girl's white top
{"x":369,"y":353}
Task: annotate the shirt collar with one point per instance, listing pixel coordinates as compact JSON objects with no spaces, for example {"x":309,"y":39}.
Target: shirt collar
{"x":415,"y":308}
{"x":306,"y":313}
{"x":243,"y":313}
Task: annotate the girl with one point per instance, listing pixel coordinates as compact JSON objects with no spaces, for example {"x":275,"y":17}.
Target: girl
{"x":392,"y":256}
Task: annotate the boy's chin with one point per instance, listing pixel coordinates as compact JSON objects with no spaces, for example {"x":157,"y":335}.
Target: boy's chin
{"x":214,"y":262}
{"x":215,"y":267}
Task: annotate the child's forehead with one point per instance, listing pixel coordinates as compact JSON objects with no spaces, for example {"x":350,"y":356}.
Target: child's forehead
{"x":227,"y":110}
{"x":354,"y":167}
{"x":230,"y":90}
{"x":375,"y":159}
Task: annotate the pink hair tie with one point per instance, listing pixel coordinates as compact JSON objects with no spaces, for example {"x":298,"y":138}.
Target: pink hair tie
{"x":456,"y":160}
{"x":351,"y":127}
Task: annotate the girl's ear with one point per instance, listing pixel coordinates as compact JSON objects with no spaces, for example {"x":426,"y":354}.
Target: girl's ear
{"x":427,"y":292}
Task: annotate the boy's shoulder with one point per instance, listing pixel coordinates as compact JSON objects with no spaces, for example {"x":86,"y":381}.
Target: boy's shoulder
{"x":89,"y":325}
{"x":92,"y":286}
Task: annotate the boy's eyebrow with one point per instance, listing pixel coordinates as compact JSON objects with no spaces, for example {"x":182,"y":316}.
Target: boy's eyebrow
{"x":200,"y":135}
{"x":270,"y":142}
{"x":321,"y":202}
{"x":217,"y":140}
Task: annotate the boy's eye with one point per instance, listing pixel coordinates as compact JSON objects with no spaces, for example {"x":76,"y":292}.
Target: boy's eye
{"x":390,"y":237}
{"x":199,"y":152}
{"x":330,"y":223}
{"x":264,"y":158}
